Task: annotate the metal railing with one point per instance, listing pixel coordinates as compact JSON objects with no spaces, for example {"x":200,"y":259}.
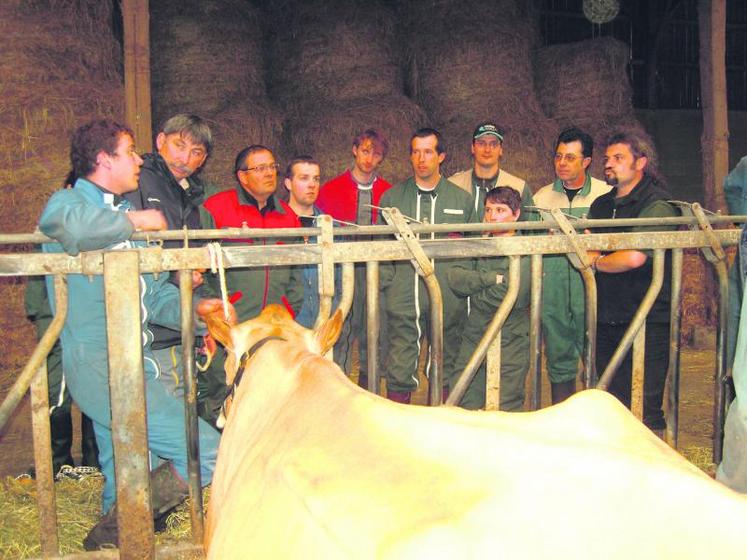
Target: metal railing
{"x":122,"y":268}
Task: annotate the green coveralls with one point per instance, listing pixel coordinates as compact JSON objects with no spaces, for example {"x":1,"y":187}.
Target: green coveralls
{"x":563,"y":300}
{"x":479,"y":283}
{"x":407,"y":302}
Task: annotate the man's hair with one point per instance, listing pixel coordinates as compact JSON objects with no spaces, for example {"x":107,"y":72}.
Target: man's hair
{"x":191,"y":126}
{"x":90,"y":139}
{"x":376,"y":137}
{"x":504,"y":195}
{"x":640,"y":146}
{"x":425,"y":133}
{"x":240,"y":163}
{"x":296,"y":160}
{"x":574,"y":134}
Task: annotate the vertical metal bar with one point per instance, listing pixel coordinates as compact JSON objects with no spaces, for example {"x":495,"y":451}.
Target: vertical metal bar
{"x":127,"y":397}
{"x":326,"y":271}
{"x":638,"y":372}
{"x":348,"y":289}
{"x":190,"y":405}
{"x":436,"y":377}
{"x":657,"y":279}
{"x":675,"y":321}
{"x":45,"y":494}
{"x":719,"y":405}
{"x":372,"y":325}
{"x":493,"y":375}
{"x":501,"y":314}
{"x":590,"y":349}
{"x":535,"y":333}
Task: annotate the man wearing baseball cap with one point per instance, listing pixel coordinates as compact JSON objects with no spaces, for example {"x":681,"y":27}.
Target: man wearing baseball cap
{"x":486,"y":173}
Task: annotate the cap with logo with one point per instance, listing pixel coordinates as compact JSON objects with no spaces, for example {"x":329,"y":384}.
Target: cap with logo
{"x":487,"y":129}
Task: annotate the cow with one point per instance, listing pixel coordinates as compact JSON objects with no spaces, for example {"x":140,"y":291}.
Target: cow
{"x":312,"y":466}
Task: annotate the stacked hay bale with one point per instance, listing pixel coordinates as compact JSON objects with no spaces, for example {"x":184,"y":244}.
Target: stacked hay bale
{"x":207,"y":58}
{"x":470,"y":61}
{"x":59,"y":65}
{"x":586,"y":84}
{"x":335,"y":73}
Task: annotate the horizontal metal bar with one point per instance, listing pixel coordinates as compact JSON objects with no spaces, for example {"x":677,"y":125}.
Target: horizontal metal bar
{"x":347,"y":231}
{"x":158,"y":259}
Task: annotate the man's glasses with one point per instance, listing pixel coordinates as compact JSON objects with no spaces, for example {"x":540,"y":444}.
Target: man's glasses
{"x":570,"y":158}
{"x":264,"y":167}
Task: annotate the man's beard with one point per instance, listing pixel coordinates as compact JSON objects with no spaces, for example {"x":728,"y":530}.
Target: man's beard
{"x":611,"y":180}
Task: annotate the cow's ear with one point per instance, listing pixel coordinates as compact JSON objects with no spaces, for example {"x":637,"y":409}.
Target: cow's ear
{"x":219,"y":329}
{"x":329,"y":332}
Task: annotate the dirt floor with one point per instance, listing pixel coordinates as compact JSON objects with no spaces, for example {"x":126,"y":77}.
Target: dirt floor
{"x":696,"y":413}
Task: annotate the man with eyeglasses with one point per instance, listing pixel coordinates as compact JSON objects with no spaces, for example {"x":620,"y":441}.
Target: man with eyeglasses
{"x":563,"y":301}
{"x":348,"y":198}
{"x":624,"y":276}
{"x":254,"y":204}
{"x":169,"y":182}
{"x":486,"y":173}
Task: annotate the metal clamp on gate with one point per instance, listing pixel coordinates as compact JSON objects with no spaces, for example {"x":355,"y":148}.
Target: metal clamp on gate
{"x":715,"y":253}
{"x":421,"y":262}
{"x":579,"y":258}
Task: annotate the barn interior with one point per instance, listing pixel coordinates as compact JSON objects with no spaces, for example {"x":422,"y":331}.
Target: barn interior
{"x":304,"y":76}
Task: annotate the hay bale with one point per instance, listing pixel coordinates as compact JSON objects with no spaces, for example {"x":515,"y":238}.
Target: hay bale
{"x":239,"y":125}
{"x":334,"y":51}
{"x":473,"y":64}
{"x":203,"y":54}
{"x":584,"y":83}
{"x":59,"y":64}
{"x":326,"y":131}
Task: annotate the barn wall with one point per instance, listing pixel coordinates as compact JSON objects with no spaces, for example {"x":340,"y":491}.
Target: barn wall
{"x":676,"y":134}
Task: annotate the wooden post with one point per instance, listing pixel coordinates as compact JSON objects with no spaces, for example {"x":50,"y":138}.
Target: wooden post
{"x":715,"y":139}
{"x":137,"y":71}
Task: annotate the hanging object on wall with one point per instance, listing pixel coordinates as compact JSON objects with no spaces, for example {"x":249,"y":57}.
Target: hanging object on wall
{"x":601,"y":11}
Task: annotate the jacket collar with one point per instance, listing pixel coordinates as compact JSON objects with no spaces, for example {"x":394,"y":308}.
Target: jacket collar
{"x":273,"y":202}
{"x":557,"y":186}
{"x":195,"y":193}
{"x":97,"y":192}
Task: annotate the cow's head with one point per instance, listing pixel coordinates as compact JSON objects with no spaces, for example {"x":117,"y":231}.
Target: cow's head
{"x":242,"y":341}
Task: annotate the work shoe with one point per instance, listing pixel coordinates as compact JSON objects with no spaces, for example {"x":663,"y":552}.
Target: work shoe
{"x":167,"y":490}
{"x":402,"y":397}
{"x":105,"y":534}
{"x":561,"y":391}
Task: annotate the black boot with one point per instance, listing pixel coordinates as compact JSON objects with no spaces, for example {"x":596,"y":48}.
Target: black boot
{"x":167,"y":490}
{"x":89,"y":448}
{"x":61,"y":428}
{"x":105,"y":534}
{"x":561,"y":391}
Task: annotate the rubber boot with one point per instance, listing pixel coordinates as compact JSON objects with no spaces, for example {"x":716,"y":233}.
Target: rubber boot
{"x":402,"y":397}
{"x":61,"y":428}
{"x":89,"y":449}
{"x":561,"y":391}
{"x":167,"y":490}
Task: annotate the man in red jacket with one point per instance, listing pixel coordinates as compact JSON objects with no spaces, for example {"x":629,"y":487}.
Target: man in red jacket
{"x":347,"y":198}
{"x":252,"y":202}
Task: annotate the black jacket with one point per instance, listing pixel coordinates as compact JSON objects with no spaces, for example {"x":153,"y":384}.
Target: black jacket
{"x":159,"y":189}
{"x":620,"y":294}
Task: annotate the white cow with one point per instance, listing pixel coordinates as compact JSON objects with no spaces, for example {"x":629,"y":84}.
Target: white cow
{"x":311,"y":466}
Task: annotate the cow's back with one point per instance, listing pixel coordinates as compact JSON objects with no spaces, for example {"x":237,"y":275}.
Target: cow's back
{"x":334,"y":471}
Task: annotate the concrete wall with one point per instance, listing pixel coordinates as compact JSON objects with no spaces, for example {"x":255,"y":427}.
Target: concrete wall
{"x":677,"y":137}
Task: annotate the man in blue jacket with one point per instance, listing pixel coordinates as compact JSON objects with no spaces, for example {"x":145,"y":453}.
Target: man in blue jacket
{"x":94,"y":215}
